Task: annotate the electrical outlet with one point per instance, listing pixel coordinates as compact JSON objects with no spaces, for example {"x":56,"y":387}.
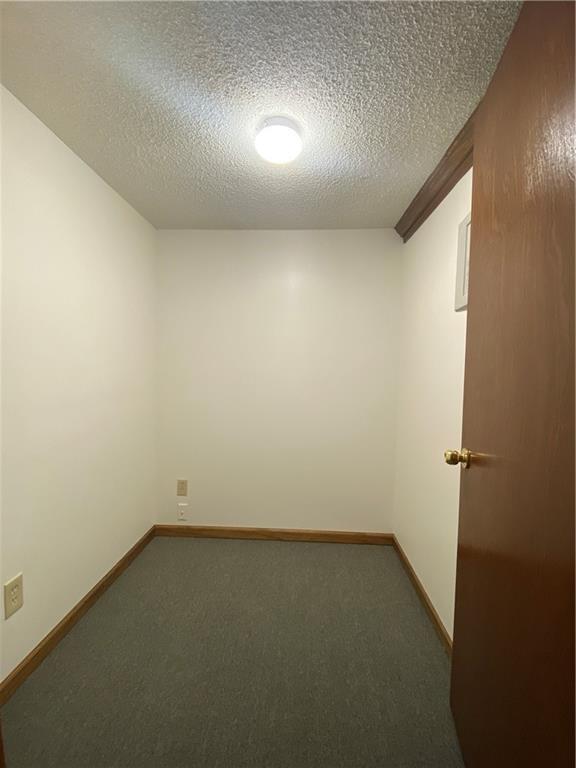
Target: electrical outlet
{"x":181,"y":487}
{"x":182,"y":510}
{"x":13,"y":596}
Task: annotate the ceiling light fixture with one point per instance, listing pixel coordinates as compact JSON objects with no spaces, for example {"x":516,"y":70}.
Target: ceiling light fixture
{"x":278,"y":140}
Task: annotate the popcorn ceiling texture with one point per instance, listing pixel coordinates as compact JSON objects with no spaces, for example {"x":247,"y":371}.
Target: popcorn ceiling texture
{"x":163,"y":99}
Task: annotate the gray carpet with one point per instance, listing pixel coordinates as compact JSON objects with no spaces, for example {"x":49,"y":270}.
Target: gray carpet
{"x":243,"y":654}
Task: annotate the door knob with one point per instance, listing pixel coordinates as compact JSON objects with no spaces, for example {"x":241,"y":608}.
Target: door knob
{"x":458,"y":457}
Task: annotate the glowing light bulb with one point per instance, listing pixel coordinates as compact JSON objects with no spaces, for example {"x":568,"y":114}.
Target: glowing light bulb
{"x":278,"y":141}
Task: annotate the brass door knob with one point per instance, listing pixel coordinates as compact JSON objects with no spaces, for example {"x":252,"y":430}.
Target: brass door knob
{"x":458,"y":457}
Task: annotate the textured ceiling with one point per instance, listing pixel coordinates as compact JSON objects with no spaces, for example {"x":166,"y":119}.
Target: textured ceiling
{"x":162,"y":99}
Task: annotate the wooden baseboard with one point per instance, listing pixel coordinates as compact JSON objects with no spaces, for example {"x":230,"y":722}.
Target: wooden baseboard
{"x":38,"y":654}
{"x":423,"y":595}
{"x":9,"y":685}
{"x":334,"y":537}
{"x":274,"y":534}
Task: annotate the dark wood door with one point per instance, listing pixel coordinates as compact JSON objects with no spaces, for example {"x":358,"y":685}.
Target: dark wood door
{"x":513,"y":657}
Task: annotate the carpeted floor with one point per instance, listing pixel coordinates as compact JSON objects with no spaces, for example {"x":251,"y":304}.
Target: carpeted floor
{"x":243,"y":654}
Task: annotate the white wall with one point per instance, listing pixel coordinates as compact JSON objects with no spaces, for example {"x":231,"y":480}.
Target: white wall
{"x":279,"y":355}
{"x":78,"y":323}
{"x":278,"y":374}
{"x":430,"y":396}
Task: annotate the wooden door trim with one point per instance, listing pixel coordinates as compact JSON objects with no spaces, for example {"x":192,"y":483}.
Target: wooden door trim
{"x":456,"y":161}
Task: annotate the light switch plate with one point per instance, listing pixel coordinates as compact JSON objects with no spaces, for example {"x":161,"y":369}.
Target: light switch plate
{"x":181,"y":487}
{"x":13,"y":595}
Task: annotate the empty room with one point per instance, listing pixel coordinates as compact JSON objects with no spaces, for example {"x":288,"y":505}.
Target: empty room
{"x":287,"y":384}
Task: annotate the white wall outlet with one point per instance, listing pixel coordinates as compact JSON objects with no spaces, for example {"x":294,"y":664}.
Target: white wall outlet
{"x":182,"y":510}
{"x":13,"y":595}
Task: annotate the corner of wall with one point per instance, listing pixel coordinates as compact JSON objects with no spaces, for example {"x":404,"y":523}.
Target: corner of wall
{"x":429,"y":400}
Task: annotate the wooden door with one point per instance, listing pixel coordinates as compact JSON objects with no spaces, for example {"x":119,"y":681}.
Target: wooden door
{"x":513,"y":658}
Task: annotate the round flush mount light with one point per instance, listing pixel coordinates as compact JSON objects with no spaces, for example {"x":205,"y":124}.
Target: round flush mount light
{"x":278,"y":140}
